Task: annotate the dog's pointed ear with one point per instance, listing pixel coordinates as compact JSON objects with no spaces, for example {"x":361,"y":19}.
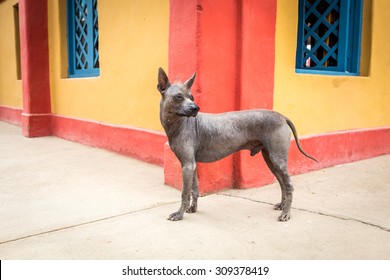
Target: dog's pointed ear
{"x":163,"y":81}
{"x":190,"y":81}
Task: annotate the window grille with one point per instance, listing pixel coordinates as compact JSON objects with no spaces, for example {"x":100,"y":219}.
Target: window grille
{"x":83,"y":38}
{"x":329,"y":34}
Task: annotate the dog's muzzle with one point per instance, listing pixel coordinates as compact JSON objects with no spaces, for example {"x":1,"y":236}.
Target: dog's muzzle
{"x":189,"y":111}
{"x":193,"y":110}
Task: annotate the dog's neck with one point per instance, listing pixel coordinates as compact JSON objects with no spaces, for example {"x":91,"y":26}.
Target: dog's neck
{"x":171,"y":123}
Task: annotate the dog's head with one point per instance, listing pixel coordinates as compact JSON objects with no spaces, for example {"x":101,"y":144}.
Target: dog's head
{"x":177,"y":98}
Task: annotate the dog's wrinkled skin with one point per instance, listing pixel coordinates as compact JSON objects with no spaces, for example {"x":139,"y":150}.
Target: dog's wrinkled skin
{"x":200,"y":137}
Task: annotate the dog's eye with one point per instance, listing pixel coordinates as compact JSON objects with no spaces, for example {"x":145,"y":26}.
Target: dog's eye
{"x":179,"y":97}
{"x":191,"y":98}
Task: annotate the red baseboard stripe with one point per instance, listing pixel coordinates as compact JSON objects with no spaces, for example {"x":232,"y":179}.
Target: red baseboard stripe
{"x":36,"y":125}
{"x":329,"y":149}
{"x":341,"y":147}
{"x":142,"y":144}
{"x":11,"y":115}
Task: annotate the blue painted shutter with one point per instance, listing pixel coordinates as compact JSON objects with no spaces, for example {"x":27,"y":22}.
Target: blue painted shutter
{"x":83,"y":38}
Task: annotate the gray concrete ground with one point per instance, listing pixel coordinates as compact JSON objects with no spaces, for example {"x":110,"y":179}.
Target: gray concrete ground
{"x":63,"y":200}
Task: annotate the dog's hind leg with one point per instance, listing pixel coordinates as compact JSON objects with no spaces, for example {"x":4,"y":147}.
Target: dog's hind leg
{"x":281,"y":205}
{"x":276,"y":156}
{"x":279,"y":162}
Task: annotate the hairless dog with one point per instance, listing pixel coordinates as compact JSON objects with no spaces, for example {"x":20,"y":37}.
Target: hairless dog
{"x":200,"y":137}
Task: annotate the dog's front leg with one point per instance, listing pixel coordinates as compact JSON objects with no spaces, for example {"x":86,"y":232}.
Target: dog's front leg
{"x":188,"y":173}
{"x":194,"y":194}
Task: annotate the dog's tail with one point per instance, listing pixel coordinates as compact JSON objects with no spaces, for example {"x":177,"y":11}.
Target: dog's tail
{"x":291,"y":125}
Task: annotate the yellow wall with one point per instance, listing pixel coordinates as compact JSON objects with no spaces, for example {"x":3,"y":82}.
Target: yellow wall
{"x":133,"y":43}
{"x":321,"y":103}
{"x":10,"y":86}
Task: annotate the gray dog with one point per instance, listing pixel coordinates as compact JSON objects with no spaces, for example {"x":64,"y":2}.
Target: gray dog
{"x":199,"y":137}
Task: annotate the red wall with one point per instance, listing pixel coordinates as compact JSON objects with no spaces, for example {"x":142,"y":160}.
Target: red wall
{"x":36,"y":116}
{"x":230,"y":44}
{"x":256,"y":80}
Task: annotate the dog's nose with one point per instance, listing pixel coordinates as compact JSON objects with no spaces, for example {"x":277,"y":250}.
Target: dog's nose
{"x":194,"y":108}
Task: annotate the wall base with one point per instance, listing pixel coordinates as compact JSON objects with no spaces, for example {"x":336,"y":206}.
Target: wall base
{"x":329,"y":149}
{"x":11,"y":115}
{"x":36,"y":125}
{"x":341,"y":147}
{"x":142,"y":144}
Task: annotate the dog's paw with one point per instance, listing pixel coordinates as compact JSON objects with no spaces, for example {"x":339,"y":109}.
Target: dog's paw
{"x":284,"y":217}
{"x":177,"y":216}
{"x":192,"y":209}
{"x":279,"y":206}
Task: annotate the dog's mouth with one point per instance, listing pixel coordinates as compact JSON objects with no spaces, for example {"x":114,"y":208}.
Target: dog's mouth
{"x":188,"y":115}
{"x":190,"y":111}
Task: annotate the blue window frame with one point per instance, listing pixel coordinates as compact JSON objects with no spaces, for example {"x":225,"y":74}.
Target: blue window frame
{"x":329,"y":35}
{"x":83,"y":38}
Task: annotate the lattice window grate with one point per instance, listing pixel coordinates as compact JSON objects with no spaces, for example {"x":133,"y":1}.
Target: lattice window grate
{"x":329,"y":35}
{"x":83,"y":41}
{"x":321,"y":30}
{"x":95,"y":36}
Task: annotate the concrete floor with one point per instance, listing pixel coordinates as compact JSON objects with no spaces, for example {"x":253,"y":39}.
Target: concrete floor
{"x":63,"y":200}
